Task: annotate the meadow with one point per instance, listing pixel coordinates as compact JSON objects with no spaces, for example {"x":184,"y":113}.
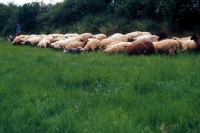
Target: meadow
{"x":46,"y":90}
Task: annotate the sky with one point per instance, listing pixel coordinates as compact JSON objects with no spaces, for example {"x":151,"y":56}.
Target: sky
{"x":21,"y":2}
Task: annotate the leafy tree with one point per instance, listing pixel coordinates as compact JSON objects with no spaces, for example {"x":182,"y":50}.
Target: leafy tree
{"x":27,"y":16}
{"x":8,"y":19}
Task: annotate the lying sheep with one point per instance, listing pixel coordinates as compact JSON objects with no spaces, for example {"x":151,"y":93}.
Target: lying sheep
{"x":196,"y":39}
{"x":166,"y":46}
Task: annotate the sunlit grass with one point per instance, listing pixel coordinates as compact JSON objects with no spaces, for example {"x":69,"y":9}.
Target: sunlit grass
{"x":44,"y":90}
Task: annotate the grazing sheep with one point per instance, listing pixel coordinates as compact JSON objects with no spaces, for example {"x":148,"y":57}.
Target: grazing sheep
{"x":146,"y":33}
{"x":136,"y":49}
{"x":196,"y":39}
{"x":18,"y":40}
{"x":150,"y":48}
{"x":166,"y":46}
{"x":63,"y":43}
{"x":187,"y":45}
{"x":86,"y":36}
{"x":117,"y":47}
{"x":134,"y":34}
{"x":107,"y":41}
{"x":74,"y":50}
{"x":43,"y":43}
{"x":181,"y":39}
{"x":92,"y":45}
{"x":145,"y":38}
{"x":100,"y":36}
{"x":76,"y":44}
{"x":162,"y":35}
{"x":35,"y":40}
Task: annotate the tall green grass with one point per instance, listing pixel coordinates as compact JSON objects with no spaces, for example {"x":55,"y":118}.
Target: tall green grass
{"x":45,"y":90}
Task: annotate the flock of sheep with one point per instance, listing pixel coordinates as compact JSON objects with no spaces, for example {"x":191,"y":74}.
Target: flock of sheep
{"x":133,"y":43}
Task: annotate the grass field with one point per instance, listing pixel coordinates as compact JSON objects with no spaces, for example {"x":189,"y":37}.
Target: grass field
{"x":46,"y":90}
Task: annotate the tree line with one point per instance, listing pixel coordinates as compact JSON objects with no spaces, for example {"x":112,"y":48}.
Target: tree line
{"x":101,"y":16}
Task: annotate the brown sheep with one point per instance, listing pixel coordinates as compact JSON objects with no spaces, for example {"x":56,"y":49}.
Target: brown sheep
{"x":162,"y":35}
{"x":136,"y":49}
{"x":150,"y":48}
{"x":196,"y":39}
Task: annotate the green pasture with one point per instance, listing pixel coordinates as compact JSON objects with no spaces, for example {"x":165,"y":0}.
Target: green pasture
{"x":45,"y":90}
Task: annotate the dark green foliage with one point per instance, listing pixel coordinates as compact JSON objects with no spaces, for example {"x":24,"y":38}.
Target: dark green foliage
{"x":105,"y":16}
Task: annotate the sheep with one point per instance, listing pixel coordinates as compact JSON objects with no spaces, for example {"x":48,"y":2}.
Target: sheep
{"x":74,"y":50}
{"x":134,"y":34}
{"x":111,"y":44}
{"x":92,"y":44}
{"x":196,"y":39}
{"x":86,"y":36}
{"x":125,"y":38}
{"x":43,"y":43}
{"x":117,"y":47}
{"x":187,"y":45}
{"x":146,"y":33}
{"x":116,"y":35}
{"x":62,"y":43}
{"x":71,"y":35}
{"x":18,"y":40}
{"x":136,"y":49}
{"x":35,"y":40}
{"x":76,"y":44}
{"x":167,"y":46}
{"x":144,"y":38}
{"x":107,"y":41}
{"x":100,"y":36}
{"x":182,"y":39}
{"x":162,"y":35}
{"x":150,"y":48}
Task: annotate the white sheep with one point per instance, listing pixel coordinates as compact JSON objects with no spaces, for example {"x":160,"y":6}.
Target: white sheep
{"x":43,"y":43}
{"x":134,"y":34}
{"x":74,"y":44}
{"x":107,"y":41}
{"x":187,"y":45}
{"x":62,"y":43}
{"x":117,"y":47}
{"x":166,"y":46}
{"x":144,"y":38}
{"x":86,"y":36}
{"x":92,"y":44}
{"x":100,"y":36}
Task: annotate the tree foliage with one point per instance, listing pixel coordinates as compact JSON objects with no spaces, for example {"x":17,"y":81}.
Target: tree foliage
{"x":99,"y":15}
